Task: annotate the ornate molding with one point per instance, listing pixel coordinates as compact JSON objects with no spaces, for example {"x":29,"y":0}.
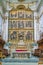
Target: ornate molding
{"x":21,"y":0}
{"x":37,"y":17}
{"x":21,"y":7}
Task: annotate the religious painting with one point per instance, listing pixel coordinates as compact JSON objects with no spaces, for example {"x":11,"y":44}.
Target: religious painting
{"x":28,"y":15}
{"x":20,"y":24}
{"x":29,"y":24}
{"x":13,"y":35}
{"x":29,"y":36}
{"x":20,"y":14}
{"x":13,"y":15}
{"x":14,"y":24}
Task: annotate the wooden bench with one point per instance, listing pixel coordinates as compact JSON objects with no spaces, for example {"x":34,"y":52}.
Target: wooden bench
{"x":40,"y":63}
{"x":40,"y":59}
{"x":0,"y":63}
{"x":1,"y":55}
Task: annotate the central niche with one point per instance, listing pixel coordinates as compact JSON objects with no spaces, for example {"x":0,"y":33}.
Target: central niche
{"x":21,"y":35}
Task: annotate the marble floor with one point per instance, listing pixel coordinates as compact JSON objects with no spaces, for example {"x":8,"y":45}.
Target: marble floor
{"x":19,"y":63}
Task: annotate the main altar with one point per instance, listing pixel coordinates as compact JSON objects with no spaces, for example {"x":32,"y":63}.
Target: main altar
{"x":20,"y":30}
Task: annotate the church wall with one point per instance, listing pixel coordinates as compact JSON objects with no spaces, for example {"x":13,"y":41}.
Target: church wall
{"x":41,"y":18}
{"x":41,"y":24}
{"x":3,"y":25}
{"x":36,"y":27}
{"x":38,"y":22}
{"x":5,"y":29}
{"x":0,"y":24}
{"x":1,"y":20}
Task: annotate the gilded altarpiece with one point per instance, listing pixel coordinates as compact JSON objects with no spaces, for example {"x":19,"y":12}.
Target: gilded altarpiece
{"x":21,"y":25}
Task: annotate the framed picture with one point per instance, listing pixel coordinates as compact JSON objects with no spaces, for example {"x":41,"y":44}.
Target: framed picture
{"x":21,"y":24}
{"x":14,"y":24}
{"x":28,"y":15}
{"x":13,"y":15}
{"x":13,"y":35}
{"x":29,"y":24}
{"x":20,"y":14}
{"x":29,"y":35}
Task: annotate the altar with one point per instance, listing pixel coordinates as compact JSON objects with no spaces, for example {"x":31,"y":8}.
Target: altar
{"x":21,"y":54}
{"x":20,"y":31}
